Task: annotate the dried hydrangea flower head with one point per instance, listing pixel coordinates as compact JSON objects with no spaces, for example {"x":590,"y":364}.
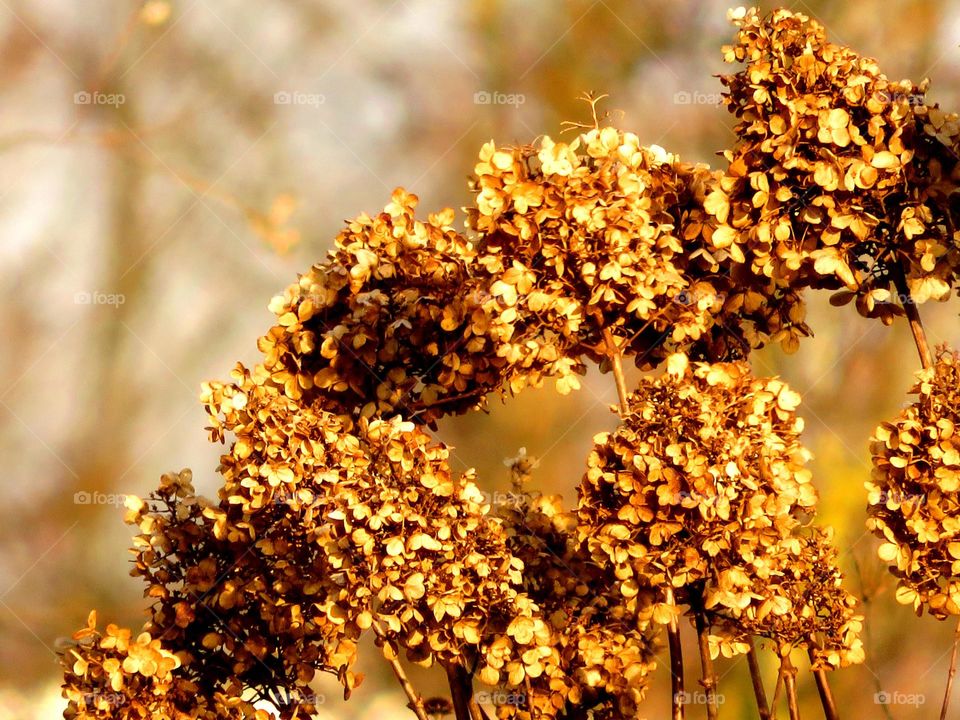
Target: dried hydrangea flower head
{"x":914,"y":491}
{"x":791,"y":593}
{"x":584,"y":236}
{"x":823,"y":188}
{"x":701,"y":487}
{"x":606,"y":653}
{"x":390,"y":321}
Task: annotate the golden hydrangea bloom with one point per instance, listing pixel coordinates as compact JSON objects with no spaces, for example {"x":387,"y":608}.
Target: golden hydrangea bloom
{"x":604,"y":234}
{"x":605,"y":653}
{"x":390,"y":321}
{"x":111,"y":674}
{"x":914,"y":491}
{"x":791,"y":593}
{"x":230,"y":594}
{"x":833,"y":181}
{"x":703,"y":489}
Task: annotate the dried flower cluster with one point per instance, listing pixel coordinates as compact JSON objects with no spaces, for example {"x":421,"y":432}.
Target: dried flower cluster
{"x":339,"y":513}
{"x":606,"y":652}
{"x":605,"y":235}
{"x":914,"y":491}
{"x":839,"y":177}
{"x":704,"y":489}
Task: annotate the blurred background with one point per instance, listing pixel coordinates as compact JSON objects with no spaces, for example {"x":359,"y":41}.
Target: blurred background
{"x":166,"y":167}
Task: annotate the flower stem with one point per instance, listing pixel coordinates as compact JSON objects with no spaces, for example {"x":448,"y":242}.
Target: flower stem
{"x":461,"y":691}
{"x":762,"y":709}
{"x":823,"y":688}
{"x":390,"y":653}
{"x":709,"y":676}
{"x":676,"y":660}
{"x":790,"y":684}
{"x":913,"y":315}
{"x":950,"y":674}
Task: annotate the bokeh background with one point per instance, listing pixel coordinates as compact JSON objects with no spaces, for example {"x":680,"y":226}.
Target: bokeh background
{"x":166,"y":167}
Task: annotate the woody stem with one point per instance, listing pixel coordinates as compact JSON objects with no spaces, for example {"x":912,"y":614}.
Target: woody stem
{"x":613,"y":351}
{"x":913,"y":315}
{"x":390,"y":653}
{"x":762,"y":709}
{"x":709,"y":679}
{"x":790,"y":684}
{"x":950,"y":674}
{"x":823,"y":687}
{"x":461,"y":691}
{"x":676,"y":660}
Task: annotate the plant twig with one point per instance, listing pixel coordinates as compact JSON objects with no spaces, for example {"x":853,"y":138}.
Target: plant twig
{"x":823,"y":686}
{"x":790,"y":684}
{"x":613,"y":352}
{"x":950,"y":674}
{"x":913,"y":315}
{"x":676,"y":660}
{"x":461,"y":691}
{"x":709,"y":679}
{"x":477,"y":712}
{"x":762,"y":709}
{"x":777,"y":690}
{"x":390,"y":653}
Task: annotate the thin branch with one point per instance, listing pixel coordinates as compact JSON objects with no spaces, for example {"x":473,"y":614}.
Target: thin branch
{"x":777,"y":690}
{"x":950,"y":674}
{"x":477,"y":712}
{"x":763,"y":709}
{"x":676,"y":660}
{"x":613,"y":353}
{"x":709,"y":676}
{"x":461,"y":691}
{"x":790,"y":683}
{"x":390,"y":653}
{"x":913,"y":315}
{"x":823,"y":686}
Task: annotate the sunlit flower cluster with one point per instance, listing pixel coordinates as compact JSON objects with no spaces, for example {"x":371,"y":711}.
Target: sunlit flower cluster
{"x":837,"y":179}
{"x":914,"y":491}
{"x":703,"y":489}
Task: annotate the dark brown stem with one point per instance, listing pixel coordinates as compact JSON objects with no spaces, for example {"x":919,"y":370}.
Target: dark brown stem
{"x":790,"y":684}
{"x":777,"y":690}
{"x":709,"y":679}
{"x":390,"y":653}
{"x":913,"y":315}
{"x":477,"y":712}
{"x":613,"y":353}
{"x":762,"y":709}
{"x":950,"y":674}
{"x":461,"y":691}
{"x":676,"y":661}
{"x":823,"y":687}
